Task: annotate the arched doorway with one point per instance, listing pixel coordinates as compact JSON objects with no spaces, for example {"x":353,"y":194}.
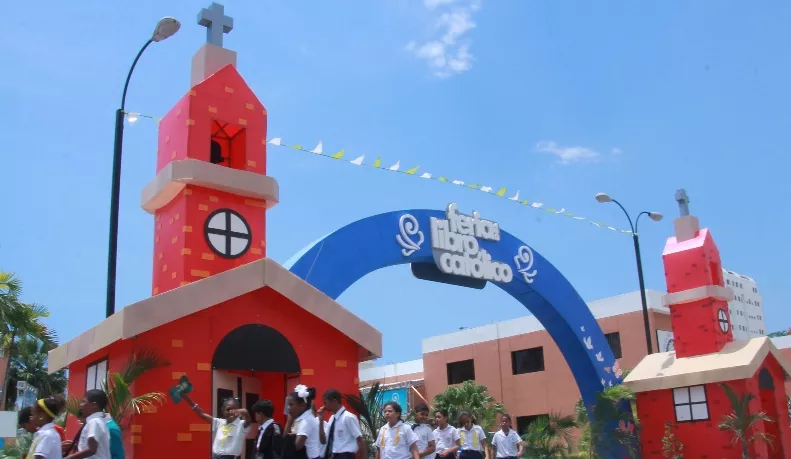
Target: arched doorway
{"x":769,"y":402}
{"x":418,"y":236}
{"x":251,"y":363}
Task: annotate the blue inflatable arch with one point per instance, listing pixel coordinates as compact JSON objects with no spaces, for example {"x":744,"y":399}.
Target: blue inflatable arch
{"x":335,"y":262}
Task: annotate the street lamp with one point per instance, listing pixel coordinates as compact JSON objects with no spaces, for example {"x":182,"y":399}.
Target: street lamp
{"x":165,"y":28}
{"x":655,"y":216}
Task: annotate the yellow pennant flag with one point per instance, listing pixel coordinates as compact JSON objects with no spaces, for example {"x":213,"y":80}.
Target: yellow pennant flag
{"x":296,"y":147}
{"x":378,"y":162}
{"x":412,"y":171}
{"x":338,"y":155}
{"x":473,"y":186}
{"x":501,"y":193}
{"x":442,"y":179}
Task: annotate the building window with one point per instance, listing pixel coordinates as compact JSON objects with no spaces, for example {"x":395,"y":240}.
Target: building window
{"x":614,"y":341}
{"x":95,"y":375}
{"x":728,"y":282}
{"x":522,"y":422}
{"x":690,"y":404}
{"x":527,"y":360}
{"x":458,"y":372}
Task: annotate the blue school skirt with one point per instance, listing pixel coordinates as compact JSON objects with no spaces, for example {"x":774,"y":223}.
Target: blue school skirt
{"x":470,"y":454}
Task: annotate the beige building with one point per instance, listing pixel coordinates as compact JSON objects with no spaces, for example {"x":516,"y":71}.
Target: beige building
{"x":521,"y":365}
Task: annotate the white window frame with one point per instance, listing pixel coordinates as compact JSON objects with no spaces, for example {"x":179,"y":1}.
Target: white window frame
{"x":93,"y":372}
{"x":690,"y":404}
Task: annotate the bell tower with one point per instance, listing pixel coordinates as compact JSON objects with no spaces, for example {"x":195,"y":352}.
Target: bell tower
{"x":211,"y":192}
{"x":696,"y":295}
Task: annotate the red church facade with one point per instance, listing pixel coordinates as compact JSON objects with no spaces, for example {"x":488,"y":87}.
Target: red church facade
{"x":236,"y":323}
{"x":684,"y":387}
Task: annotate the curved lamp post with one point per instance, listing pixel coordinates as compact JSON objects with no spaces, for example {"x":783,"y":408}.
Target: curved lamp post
{"x":166,"y":28}
{"x":655,"y":216}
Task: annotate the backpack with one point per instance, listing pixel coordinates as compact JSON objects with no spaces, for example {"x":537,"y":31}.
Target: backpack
{"x":116,"y":441}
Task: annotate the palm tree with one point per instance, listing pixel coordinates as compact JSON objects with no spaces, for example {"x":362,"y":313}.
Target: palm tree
{"x":19,"y":320}
{"x":369,"y":405}
{"x":29,"y":364}
{"x":549,"y":437}
{"x":122,"y":406}
{"x":470,"y":397}
{"x":598,"y":437}
{"x":741,"y":421}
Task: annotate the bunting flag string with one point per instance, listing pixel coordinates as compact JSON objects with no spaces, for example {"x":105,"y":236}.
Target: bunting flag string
{"x":500,"y":192}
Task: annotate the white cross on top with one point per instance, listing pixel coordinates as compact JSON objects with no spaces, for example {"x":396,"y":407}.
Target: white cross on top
{"x":216,"y":23}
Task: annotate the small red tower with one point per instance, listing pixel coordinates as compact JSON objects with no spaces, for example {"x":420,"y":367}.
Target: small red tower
{"x":697,"y":297}
{"x":211,"y":193}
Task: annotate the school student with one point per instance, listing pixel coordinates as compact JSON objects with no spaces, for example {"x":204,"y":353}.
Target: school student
{"x":395,"y":439}
{"x":472,"y":438}
{"x":446,"y":436}
{"x":229,"y":433}
{"x":24,"y":419}
{"x":426,"y":444}
{"x":344,"y":438}
{"x":269,"y":442}
{"x":506,"y":442}
{"x":46,"y":440}
{"x":302,"y":439}
{"x":94,"y":439}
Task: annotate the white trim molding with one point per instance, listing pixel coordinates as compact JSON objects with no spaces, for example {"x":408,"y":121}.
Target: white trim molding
{"x":716,"y":292}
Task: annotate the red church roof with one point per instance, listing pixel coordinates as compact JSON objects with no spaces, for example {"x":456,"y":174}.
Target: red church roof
{"x":206,"y":293}
{"x":737,"y":360}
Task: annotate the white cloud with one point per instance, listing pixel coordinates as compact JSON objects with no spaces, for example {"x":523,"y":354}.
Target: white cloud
{"x":568,"y":155}
{"x":449,"y":53}
{"x":616,"y":151}
{"x":432,"y":4}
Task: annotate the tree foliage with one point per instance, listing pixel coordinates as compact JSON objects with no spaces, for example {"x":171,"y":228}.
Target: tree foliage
{"x":607,"y":427}
{"x":742,"y":423}
{"x":369,"y":405}
{"x":471,"y":397}
{"x":122,"y":405}
{"x":549,"y":436}
{"x":672,"y":448}
{"x":28,"y":363}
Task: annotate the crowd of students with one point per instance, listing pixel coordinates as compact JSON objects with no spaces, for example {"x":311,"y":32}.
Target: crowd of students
{"x":99,"y":437}
{"x":308,"y":435}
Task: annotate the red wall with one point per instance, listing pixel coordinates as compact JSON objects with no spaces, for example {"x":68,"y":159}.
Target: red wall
{"x":327,"y":358}
{"x":655,"y":408}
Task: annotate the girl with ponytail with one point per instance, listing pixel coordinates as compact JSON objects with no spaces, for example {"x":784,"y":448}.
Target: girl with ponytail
{"x":302,"y":438}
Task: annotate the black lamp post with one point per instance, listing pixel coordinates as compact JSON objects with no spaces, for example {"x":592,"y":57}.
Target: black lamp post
{"x":166,"y":27}
{"x":655,"y":216}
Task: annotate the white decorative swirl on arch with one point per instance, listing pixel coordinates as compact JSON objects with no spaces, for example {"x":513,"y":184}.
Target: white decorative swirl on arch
{"x":524,"y":263}
{"x":408,"y":227}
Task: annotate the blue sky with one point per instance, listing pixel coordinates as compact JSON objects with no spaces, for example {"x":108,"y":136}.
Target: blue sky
{"x":558,"y":99}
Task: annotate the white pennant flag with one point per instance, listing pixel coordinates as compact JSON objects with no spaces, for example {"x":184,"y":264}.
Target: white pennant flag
{"x":358,"y":161}
{"x":458,"y":182}
{"x":537,"y":205}
{"x":486,"y":189}
{"x":425,"y":175}
{"x":395,"y":166}
{"x":276,"y":141}
{"x":562,"y":209}
{"x":515,"y":197}
{"x":319,"y":149}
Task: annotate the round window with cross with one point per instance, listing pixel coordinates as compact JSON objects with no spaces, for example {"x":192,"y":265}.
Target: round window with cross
{"x":722,"y":318}
{"x":227,"y":233}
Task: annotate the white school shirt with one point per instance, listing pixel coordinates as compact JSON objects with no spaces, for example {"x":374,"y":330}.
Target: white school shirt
{"x":96,"y":428}
{"x":394,"y":442}
{"x":507,"y":445}
{"x":228,"y":439}
{"x":472,"y":440}
{"x":46,"y":442}
{"x":446,"y":438}
{"x":306,"y":425}
{"x":346,"y":433}
{"x":424,"y":436}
